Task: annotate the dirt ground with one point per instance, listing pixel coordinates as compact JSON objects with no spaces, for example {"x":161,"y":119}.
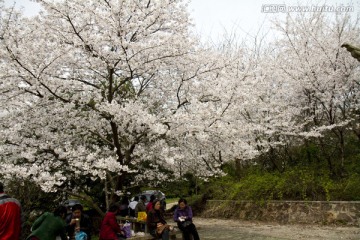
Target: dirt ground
{"x":210,"y":228}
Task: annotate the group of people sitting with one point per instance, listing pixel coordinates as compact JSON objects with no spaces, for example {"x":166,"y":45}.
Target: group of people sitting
{"x":77,"y":225}
{"x":155,"y":220}
{"x":183,"y":215}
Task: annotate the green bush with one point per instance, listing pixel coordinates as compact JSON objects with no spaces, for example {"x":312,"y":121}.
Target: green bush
{"x":306,"y":183}
{"x":349,"y":189}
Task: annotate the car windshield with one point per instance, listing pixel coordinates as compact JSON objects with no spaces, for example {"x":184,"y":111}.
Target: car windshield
{"x":158,"y":194}
{"x":71,"y":202}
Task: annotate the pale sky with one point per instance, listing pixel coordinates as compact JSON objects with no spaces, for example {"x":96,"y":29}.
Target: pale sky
{"x":247,"y":17}
{"x":213,"y":17}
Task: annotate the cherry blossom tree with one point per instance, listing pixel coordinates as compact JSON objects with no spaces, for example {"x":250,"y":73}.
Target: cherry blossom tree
{"x":92,"y":89}
{"x":120,"y":92}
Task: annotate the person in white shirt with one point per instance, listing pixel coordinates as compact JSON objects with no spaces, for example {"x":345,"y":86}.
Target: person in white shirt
{"x":132,"y":206}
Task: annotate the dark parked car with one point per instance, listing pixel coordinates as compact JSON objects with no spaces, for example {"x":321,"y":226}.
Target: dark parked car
{"x":69,"y":203}
{"x":158,"y":194}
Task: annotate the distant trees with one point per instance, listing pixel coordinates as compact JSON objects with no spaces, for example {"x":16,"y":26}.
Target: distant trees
{"x":324,"y":79}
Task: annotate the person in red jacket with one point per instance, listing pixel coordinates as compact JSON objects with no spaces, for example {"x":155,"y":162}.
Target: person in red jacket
{"x":10,"y":216}
{"x":110,"y":229}
{"x":149,"y":206}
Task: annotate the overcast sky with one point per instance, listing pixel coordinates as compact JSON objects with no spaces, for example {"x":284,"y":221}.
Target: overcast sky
{"x":213,"y":17}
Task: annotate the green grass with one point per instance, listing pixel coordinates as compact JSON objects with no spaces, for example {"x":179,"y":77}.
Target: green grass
{"x":172,"y":200}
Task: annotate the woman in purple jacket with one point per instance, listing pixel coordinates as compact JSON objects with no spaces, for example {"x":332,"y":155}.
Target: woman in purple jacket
{"x":183,"y":216}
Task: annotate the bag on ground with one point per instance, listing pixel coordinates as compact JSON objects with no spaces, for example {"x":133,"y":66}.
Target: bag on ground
{"x":127,"y":229}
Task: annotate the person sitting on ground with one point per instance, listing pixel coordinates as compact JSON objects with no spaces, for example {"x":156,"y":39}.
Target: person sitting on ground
{"x":110,"y":229}
{"x":156,"y":221}
{"x":183,"y":216}
{"x":132,"y":206}
{"x":140,"y":206}
{"x":149,"y":206}
{"x":50,"y":225}
{"x":83,"y":225}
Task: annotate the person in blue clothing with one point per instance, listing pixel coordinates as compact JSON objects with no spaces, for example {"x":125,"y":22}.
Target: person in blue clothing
{"x":183,"y":216}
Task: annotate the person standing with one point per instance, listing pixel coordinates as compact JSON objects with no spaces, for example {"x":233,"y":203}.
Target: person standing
{"x":183,"y":216}
{"x":10,"y":216}
{"x":77,"y":221}
{"x":149,"y":206}
{"x":132,"y":206}
{"x":140,"y":206}
{"x":124,"y":207}
{"x":49,"y":225}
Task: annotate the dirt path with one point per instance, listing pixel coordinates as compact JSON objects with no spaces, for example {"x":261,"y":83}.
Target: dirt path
{"x":170,"y":205}
{"x":231,"y":229}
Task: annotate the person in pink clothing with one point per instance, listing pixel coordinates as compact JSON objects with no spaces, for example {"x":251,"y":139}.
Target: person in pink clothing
{"x":110,"y":229}
{"x":149,"y":206}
